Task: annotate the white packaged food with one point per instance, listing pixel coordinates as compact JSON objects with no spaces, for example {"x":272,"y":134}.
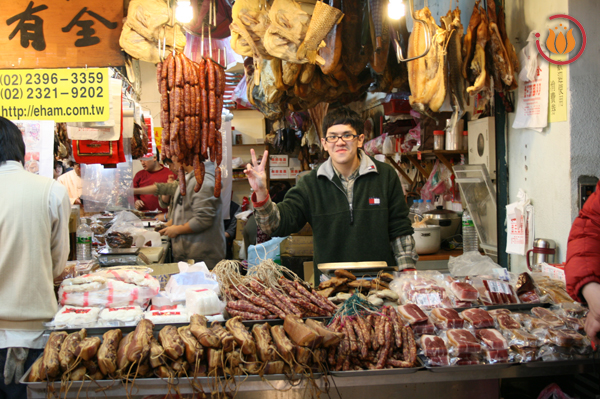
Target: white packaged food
{"x":125,"y":314}
{"x":75,"y":316}
{"x":203,"y":302}
{"x":167,"y":315}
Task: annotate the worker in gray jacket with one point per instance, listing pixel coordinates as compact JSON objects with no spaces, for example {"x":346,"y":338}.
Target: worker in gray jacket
{"x":196,"y":224}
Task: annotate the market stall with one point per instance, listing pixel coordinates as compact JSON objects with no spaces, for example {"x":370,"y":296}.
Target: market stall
{"x":131,"y":324}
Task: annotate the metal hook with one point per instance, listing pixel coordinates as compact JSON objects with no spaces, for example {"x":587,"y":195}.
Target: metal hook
{"x":399,"y":54}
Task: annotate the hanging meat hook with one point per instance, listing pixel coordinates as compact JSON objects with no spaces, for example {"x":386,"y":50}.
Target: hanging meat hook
{"x":399,"y":54}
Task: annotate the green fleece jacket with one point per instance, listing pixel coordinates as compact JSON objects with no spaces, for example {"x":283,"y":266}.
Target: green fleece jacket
{"x":344,"y":233}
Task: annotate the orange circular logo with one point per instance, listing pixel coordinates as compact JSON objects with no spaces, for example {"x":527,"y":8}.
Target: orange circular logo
{"x":559,"y":42}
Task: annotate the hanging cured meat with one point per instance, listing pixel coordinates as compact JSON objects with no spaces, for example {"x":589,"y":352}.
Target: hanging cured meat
{"x":478,"y":64}
{"x":502,"y":67}
{"x":353,"y":58}
{"x":289,"y":24}
{"x":250,"y":23}
{"x":332,"y":51}
{"x":427,"y":75}
{"x":191,"y":105}
{"x":470,"y":38}
{"x":380,"y":36}
{"x":451,"y":22}
{"x":323,"y":19}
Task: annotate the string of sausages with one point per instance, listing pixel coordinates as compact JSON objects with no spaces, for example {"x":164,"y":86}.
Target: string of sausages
{"x":191,"y":96}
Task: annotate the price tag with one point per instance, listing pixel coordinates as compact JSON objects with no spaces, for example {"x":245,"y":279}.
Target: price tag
{"x":61,"y":95}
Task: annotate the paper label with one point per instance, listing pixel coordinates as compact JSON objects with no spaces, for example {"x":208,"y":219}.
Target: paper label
{"x":557,"y":90}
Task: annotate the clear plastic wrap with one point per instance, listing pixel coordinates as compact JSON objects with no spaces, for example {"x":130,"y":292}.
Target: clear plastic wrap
{"x":445,"y":318}
{"x":491,"y":339}
{"x":478,"y":318}
{"x":553,"y":291}
{"x":434,"y":349}
{"x":548,"y":316}
{"x":526,"y":289}
{"x":109,"y":288}
{"x":107,"y":188}
{"x":493,"y":291}
{"x":566,"y":338}
{"x":461,"y":341}
{"x":421,"y":288}
{"x":522,"y":339}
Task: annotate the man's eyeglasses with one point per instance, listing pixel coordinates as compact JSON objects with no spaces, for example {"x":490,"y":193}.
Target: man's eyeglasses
{"x":345,"y":137}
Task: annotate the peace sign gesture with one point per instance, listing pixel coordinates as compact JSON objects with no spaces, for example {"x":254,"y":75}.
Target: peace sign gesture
{"x":257,"y":176}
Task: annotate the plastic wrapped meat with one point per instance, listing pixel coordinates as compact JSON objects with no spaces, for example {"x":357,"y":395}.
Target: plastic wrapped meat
{"x":412,"y":314}
{"x":425,"y":292}
{"x":566,"y":338}
{"x":507,"y":322}
{"x":464,"y":291}
{"x":548,"y":316}
{"x":445,"y":318}
{"x":479,"y":318}
{"x":463,"y":341}
{"x":425,"y":327}
{"x":433,"y":345}
{"x":526,"y":290}
{"x":496,"y":312}
{"x":496,"y":355}
{"x":522,"y":339}
{"x":467,"y":360}
{"x":492,"y":338}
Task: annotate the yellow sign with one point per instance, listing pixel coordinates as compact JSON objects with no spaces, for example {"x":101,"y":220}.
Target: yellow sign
{"x":557,"y":90}
{"x":61,"y":95}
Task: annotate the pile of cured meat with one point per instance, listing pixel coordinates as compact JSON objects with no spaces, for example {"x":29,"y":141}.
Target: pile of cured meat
{"x":194,"y":350}
{"x":376,"y":341}
{"x":477,"y":336}
{"x":192,"y":102}
{"x":256,"y":300}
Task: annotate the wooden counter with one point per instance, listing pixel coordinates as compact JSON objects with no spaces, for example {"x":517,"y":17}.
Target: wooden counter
{"x":441,"y":255}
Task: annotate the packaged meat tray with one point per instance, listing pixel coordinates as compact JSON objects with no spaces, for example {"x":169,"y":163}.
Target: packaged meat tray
{"x":432,"y":345}
{"x":491,"y":338}
{"x":445,"y":318}
{"x":464,"y":291}
{"x":548,"y":316}
{"x":566,"y":338}
{"x":422,"y":288}
{"x":478,"y":318}
{"x":462,"y":341}
{"x":425,"y":327}
{"x":522,"y":339}
{"x":496,"y":356}
{"x":505,"y":321}
{"x":494,"y":291}
{"x":412,"y":314}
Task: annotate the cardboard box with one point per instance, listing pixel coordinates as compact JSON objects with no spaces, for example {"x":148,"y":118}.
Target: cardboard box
{"x":306,"y":231}
{"x":295,"y":163}
{"x":297,"y":246}
{"x":280,"y":172}
{"x":239,"y":229}
{"x":278,"y":160}
{"x":309,"y":273}
{"x":237,"y":246}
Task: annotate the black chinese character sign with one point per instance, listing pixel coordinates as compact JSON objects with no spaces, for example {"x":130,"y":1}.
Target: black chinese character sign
{"x":59,"y":33}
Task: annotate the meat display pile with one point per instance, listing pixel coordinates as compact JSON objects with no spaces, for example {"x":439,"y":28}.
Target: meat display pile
{"x":376,"y":341}
{"x":194,"y":350}
{"x":257,"y":301}
{"x":192,"y":102}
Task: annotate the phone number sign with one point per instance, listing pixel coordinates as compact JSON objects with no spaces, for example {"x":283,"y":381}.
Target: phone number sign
{"x":61,"y":95}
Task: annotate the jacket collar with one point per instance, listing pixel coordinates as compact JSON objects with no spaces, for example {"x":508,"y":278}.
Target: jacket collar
{"x":366,"y":166}
{"x":11,"y":166}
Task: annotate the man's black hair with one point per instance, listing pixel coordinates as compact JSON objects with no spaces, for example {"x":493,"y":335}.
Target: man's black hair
{"x":157,"y":155}
{"x":343,"y":116}
{"x":12,"y":146}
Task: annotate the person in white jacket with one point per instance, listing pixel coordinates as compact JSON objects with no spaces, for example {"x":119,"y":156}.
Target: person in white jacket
{"x":34,"y":246}
{"x":72,"y":181}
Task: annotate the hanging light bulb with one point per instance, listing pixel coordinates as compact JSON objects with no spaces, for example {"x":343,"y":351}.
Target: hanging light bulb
{"x":184,"y":11}
{"x":395,"y":9}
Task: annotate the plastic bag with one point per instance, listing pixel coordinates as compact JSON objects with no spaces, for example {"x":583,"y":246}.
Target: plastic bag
{"x":240,"y":95}
{"x":471,"y":264}
{"x":126,"y":227}
{"x":532,"y":104}
{"x":261,"y":252}
{"x":375,"y":146}
{"x":109,"y":288}
{"x":107,"y":188}
{"x":553,"y":391}
{"x":438,"y":183}
{"x":519,"y":219}
{"x":421,"y":288}
{"x":193,"y":278}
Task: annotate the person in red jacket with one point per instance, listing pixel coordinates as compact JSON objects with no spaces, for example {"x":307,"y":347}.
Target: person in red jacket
{"x":583,"y":262}
{"x":153,"y":172}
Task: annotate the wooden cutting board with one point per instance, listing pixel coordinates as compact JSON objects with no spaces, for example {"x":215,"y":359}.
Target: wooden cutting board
{"x":152,"y":253}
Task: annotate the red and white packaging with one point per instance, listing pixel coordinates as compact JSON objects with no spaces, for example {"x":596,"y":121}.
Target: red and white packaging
{"x":167,"y":314}
{"x":75,"y":316}
{"x":126,"y":315}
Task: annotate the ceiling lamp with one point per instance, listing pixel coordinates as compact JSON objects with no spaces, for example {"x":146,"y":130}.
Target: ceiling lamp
{"x":184,"y":11}
{"x":396,"y":9}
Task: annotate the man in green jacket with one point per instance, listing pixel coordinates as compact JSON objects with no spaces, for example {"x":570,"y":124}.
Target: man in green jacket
{"x":355,"y":204}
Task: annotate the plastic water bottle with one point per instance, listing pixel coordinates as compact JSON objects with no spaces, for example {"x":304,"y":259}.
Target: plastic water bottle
{"x":428,"y":206}
{"x":413,"y":207}
{"x":422,"y":207}
{"x":418,"y":210}
{"x":469,"y":233}
{"x":84,"y":241}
